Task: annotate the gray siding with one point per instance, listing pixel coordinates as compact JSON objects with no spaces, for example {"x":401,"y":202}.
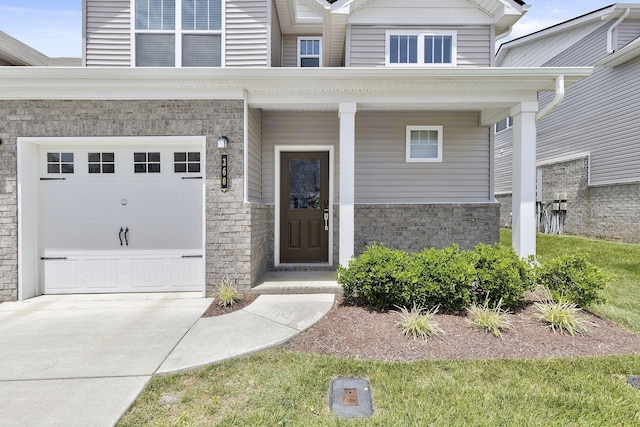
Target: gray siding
{"x":599,"y":115}
{"x":255,"y":155}
{"x":628,"y":31}
{"x":383,"y":175}
{"x":503,"y":161}
{"x":246,"y":33}
{"x":290,"y":50}
{"x":276,"y":38}
{"x":108,"y":33}
{"x":367,"y":44}
{"x":295,"y":128}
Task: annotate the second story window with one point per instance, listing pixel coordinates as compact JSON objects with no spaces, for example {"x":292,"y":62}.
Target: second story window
{"x":421,"y":48}
{"x":178,"y":33}
{"x":309,"y":52}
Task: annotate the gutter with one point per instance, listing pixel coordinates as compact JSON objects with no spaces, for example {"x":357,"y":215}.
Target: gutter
{"x":560,"y":91}
{"x":615,"y":25}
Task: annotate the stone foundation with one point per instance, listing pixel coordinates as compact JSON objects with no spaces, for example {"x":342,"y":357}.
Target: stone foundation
{"x":415,"y":227}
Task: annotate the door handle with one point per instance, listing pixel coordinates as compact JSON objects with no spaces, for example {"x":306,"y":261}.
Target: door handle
{"x":326,"y":220}
{"x":126,"y":236}
{"x":120,"y":235}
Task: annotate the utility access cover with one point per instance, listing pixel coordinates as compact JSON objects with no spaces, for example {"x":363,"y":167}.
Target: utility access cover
{"x":634,"y":381}
{"x":351,"y":398}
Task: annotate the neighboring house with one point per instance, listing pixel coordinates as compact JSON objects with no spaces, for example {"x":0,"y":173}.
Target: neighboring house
{"x":14,"y":52}
{"x":208,"y":140}
{"x":589,"y":146}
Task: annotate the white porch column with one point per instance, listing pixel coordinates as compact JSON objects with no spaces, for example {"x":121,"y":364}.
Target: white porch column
{"x":524,"y":178}
{"x":347,"y":114}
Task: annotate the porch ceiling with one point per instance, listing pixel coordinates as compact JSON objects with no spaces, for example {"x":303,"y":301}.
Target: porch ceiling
{"x":491,"y":90}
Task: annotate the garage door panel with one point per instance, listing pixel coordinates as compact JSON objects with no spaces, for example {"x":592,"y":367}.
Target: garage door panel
{"x":160,"y":215}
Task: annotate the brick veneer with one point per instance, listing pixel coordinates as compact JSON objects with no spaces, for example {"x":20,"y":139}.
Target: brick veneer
{"x":228,"y":220}
{"x":609,"y":212}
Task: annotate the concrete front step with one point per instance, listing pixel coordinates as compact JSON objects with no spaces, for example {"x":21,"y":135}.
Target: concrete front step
{"x":297,"y":282}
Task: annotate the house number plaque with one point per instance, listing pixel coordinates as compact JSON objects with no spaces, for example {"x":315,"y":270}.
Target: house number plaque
{"x":224,"y":182}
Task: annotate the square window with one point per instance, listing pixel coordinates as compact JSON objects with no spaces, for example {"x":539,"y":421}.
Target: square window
{"x":146,"y":162}
{"x":154,"y":157}
{"x":139,"y":157}
{"x":101,"y":162}
{"x":108,"y":168}
{"x":153,"y":168}
{"x":60,"y":163}
{"x":140,"y":168}
{"x":424,"y":143}
{"x":188,"y":162}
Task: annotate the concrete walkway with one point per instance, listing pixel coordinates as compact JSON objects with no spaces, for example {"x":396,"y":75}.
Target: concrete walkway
{"x":82,"y":360}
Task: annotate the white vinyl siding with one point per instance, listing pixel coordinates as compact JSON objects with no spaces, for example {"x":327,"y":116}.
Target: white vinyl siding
{"x":255,"y":155}
{"x":383,"y":176}
{"x":247,"y":33}
{"x":368,"y":44}
{"x":108,"y":33}
{"x":503,"y":160}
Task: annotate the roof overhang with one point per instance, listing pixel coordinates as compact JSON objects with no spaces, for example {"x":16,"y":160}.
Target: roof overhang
{"x":493,"y":91}
{"x":627,"y":53}
{"x":604,"y":14}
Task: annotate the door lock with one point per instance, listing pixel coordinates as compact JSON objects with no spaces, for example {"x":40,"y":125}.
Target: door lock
{"x":326,"y":220}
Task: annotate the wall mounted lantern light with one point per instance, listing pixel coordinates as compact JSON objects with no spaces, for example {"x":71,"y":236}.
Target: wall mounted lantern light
{"x":223,"y":141}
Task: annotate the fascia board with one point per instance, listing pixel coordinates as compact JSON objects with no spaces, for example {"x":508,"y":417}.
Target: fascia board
{"x":230,"y":83}
{"x":598,"y":15}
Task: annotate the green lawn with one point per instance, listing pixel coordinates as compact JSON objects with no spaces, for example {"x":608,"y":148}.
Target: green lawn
{"x":620,"y":260}
{"x":280,"y":387}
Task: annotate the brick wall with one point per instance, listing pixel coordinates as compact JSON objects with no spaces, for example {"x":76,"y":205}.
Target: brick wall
{"x":610,"y":212}
{"x":415,"y":227}
{"x":228,"y":241}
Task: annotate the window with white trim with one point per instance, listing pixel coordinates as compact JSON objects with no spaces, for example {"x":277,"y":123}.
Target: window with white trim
{"x":309,"y":51}
{"x":60,"y":162}
{"x":178,"y":33}
{"x":424,"y":144}
{"x":423,"y":48}
{"x":504,"y":124}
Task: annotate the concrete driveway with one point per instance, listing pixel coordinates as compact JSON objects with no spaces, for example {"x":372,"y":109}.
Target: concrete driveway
{"x":81,"y":360}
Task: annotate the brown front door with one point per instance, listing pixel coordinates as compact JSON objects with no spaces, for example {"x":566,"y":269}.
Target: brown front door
{"x":304,"y":202}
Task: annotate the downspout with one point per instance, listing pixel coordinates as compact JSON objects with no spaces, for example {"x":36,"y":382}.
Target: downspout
{"x":615,"y":25}
{"x":557,"y":100}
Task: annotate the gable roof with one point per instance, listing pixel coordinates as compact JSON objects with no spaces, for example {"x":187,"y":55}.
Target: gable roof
{"x":566,"y":34}
{"x":14,"y":52}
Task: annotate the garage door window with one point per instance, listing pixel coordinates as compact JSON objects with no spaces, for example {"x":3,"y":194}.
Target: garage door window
{"x":60,"y":163}
{"x":146,"y":162}
{"x":101,"y":163}
{"x":188,"y":162}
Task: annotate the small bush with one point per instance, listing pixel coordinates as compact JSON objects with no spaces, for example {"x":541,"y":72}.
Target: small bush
{"x":440,"y":277}
{"x":226,"y":294}
{"x":376,"y":278}
{"x":419,"y":322}
{"x":573,"y":279}
{"x":561,"y":316}
{"x":491,"y":319}
{"x":500,"y":275}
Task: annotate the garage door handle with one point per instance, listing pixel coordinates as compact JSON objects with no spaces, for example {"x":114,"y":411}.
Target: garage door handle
{"x":126,"y":236}
{"x":120,"y":235}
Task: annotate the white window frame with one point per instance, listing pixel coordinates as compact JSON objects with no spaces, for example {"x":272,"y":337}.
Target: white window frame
{"x":438,"y":158}
{"x":421,"y":35}
{"x":177,"y":32}
{"x":509,"y":124}
{"x":300,"y":56}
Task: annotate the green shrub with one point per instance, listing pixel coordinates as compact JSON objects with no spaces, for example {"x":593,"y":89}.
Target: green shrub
{"x":440,"y":277}
{"x":561,"y":316}
{"x":500,"y":275}
{"x":573,"y":279}
{"x":418,"y":322}
{"x":376,"y":278}
{"x":491,"y":319}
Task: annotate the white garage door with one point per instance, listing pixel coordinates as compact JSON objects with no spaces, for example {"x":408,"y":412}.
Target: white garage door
{"x":118,"y":218}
